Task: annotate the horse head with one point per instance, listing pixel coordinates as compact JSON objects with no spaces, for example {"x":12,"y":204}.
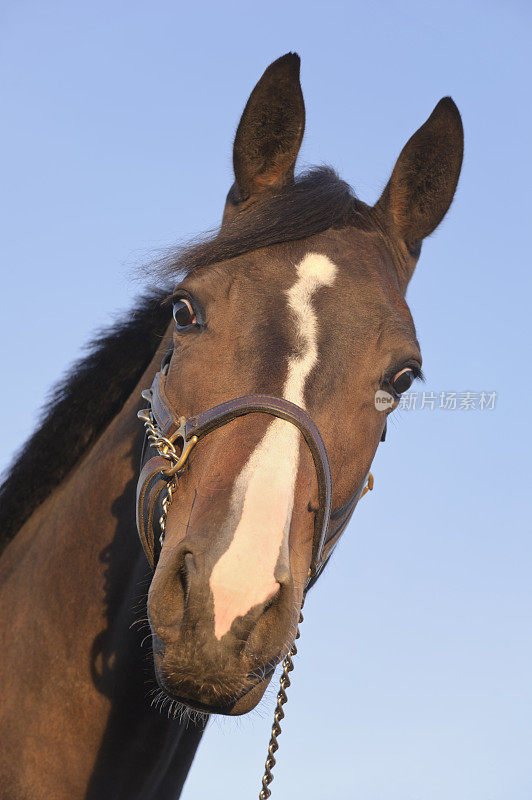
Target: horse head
{"x":299,"y":296}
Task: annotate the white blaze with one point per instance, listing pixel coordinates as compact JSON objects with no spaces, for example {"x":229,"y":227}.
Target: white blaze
{"x":263,"y":494}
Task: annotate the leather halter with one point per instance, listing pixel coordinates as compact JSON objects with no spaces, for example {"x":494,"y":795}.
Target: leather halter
{"x":155,"y":473}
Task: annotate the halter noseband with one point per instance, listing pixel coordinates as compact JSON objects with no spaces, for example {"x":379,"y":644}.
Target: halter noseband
{"x":162,"y":466}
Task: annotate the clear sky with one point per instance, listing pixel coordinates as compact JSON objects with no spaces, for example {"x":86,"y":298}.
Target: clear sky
{"x":414,"y":679}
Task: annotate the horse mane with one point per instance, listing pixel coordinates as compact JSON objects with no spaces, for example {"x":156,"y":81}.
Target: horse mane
{"x":77,"y":410}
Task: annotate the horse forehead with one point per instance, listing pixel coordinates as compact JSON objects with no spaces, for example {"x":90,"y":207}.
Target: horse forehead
{"x":287,"y":312}
{"x":269,"y":277}
{"x":348,"y":289}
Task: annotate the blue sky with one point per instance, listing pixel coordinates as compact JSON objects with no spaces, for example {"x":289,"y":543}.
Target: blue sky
{"x":413,"y":681}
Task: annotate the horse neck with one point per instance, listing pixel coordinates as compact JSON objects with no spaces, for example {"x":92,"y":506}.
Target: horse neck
{"x":74,"y":580}
{"x":86,"y":527}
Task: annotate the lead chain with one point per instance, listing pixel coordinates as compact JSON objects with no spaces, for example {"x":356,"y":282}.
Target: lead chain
{"x":171,"y":486}
{"x":166,"y":449}
{"x":164,"y":446}
{"x":288,"y":666}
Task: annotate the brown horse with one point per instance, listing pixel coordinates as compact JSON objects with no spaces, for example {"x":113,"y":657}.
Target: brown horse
{"x":300,"y":296}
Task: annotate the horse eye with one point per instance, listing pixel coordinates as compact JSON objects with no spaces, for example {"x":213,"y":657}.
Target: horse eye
{"x":183,"y":312}
{"x":403,"y":380}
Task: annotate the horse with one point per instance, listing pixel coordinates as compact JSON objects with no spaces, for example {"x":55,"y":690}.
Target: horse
{"x":293,"y":315}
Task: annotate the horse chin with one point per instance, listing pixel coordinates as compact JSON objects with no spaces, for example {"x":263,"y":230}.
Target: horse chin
{"x":232,"y":707}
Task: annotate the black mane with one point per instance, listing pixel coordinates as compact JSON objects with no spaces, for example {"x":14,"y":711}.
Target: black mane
{"x":78,"y":410}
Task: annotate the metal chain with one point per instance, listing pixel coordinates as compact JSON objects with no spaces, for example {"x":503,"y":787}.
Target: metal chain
{"x":171,"y":486}
{"x":167,"y":450}
{"x":288,"y":666}
{"x":164,"y":446}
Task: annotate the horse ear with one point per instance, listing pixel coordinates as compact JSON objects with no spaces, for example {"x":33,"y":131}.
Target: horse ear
{"x":270,"y":131}
{"x":425,"y":177}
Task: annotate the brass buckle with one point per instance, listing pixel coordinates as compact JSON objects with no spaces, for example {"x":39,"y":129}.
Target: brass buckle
{"x":182,"y":460}
{"x":369,"y":485}
{"x":186,"y":449}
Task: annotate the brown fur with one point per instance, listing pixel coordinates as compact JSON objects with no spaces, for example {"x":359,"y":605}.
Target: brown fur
{"x":76,"y":719}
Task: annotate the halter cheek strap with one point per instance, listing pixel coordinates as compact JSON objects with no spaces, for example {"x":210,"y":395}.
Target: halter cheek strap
{"x":162,"y":464}
{"x":151,"y":489}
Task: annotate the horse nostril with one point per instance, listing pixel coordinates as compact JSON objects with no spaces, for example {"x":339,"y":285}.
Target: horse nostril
{"x":184,"y":575}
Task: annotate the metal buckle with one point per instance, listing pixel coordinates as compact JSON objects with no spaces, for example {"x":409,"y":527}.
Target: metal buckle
{"x":185,"y":452}
{"x":165,"y":445}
